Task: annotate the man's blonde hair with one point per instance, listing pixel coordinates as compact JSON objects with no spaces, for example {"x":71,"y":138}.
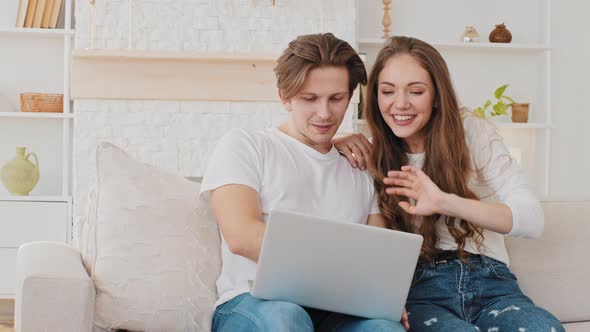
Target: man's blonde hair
{"x":311,"y":51}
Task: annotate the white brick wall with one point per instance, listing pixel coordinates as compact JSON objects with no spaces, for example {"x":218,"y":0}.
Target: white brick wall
{"x":179,"y":136}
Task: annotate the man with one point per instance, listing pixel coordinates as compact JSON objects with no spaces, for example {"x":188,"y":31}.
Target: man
{"x":293,"y":167}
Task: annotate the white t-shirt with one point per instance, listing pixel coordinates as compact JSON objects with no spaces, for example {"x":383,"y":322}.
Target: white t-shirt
{"x":498,"y":179}
{"x":288,"y":175}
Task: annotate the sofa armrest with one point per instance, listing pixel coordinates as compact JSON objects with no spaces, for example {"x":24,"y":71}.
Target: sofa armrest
{"x":54,"y":292}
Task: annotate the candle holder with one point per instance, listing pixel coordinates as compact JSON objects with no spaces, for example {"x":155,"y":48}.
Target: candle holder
{"x":93,"y":24}
{"x":130,"y":25}
{"x":386,"y":19}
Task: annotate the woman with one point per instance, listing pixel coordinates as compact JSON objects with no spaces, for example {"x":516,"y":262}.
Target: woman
{"x":446,"y":175}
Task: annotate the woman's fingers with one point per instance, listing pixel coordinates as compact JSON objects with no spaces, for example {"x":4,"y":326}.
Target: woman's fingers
{"x":399,"y":182}
{"x":411,"y":209}
{"x":345,"y":151}
{"x":360,"y":157}
{"x":356,"y":148}
{"x":402,"y":175}
{"x":401,"y":191}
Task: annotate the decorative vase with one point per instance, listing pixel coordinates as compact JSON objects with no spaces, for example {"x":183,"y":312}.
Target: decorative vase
{"x":470,"y":34}
{"x":520,"y":112}
{"x":500,"y":34}
{"x":20,"y":175}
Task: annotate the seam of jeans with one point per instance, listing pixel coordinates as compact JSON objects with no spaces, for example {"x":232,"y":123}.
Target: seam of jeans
{"x":251,"y":318}
{"x":418,"y":277}
{"x":493,"y":269}
{"x":461,"y":290}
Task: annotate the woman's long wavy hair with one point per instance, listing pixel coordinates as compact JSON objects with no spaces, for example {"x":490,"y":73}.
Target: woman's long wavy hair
{"x":447,"y":158}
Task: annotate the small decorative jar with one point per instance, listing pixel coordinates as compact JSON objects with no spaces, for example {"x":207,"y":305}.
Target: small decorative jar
{"x":20,"y":175}
{"x":470,"y":34}
{"x":520,"y":112}
{"x":500,"y":34}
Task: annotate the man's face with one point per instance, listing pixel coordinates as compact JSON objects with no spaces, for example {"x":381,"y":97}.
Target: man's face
{"x":318,"y":109}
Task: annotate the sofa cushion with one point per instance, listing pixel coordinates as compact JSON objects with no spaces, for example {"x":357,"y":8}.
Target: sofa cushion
{"x":156,"y":257}
{"x":553,"y":270}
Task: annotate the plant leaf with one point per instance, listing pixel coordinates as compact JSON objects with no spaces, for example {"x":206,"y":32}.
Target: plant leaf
{"x":487,"y":104}
{"x":500,"y":91}
{"x":479,"y":112}
{"x":500,"y":108}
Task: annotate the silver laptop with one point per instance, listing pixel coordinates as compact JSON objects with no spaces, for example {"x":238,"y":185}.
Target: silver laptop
{"x":348,"y":268}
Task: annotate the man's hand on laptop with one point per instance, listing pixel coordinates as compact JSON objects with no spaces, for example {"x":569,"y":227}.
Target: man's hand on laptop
{"x":405,"y":322}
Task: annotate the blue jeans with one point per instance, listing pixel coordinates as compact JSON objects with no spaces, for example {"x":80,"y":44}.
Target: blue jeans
{"x":247,"y":313}
{"x":480,"y":294}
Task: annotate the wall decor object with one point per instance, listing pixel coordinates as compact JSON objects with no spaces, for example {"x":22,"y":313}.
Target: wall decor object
{"x":386,"y":21}
{"x":130,"y":20}
{"x":93,"y":23}
{"x":20,"y":175}
{"x":470,"y":34}
{"x":500,"y":34}
{"x":42,"y":102}
{"x":520,"y":112}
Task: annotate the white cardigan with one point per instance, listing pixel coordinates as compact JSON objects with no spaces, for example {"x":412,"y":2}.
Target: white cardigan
{"x":497,"y":178}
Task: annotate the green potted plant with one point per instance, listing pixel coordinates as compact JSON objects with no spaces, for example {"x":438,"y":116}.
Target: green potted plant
{"x":520,"y":111}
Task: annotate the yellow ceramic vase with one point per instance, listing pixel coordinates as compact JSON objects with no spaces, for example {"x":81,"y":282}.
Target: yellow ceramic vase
{"x":20,"y":175}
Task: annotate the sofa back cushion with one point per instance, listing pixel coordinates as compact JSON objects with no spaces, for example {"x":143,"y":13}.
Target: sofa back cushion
{"x":553,"y":270}
{"x":155,"y":257}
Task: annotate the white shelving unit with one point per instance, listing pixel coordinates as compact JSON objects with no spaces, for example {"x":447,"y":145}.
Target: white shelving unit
{"x":35,"y":60}
{"x":36,"y":33}
{"x":480,"y":45}
{"x":477,"y":68}
{"x":18,"y":115}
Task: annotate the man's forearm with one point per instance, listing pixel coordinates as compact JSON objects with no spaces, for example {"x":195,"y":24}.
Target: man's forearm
{"x":247,"y":241}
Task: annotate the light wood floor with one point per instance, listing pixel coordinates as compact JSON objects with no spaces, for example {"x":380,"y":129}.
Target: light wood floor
{"x":6,"y":328}
{"x":6,"y":315}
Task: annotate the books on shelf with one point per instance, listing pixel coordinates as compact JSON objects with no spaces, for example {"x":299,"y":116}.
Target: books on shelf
{"x":38,"y":13}
{"x":30,"y":13}
{"x":39,"y":9}
{"x":55,"y":13}
{"x":21,"y":13}
{"x":47,"y":14}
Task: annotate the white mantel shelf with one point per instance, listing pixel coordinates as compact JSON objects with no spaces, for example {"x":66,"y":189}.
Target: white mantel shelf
{"x":172,"y":75}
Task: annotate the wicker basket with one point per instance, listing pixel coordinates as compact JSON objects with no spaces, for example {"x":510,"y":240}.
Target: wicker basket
{"x":520,"y":112}
{"x":41,"y":102}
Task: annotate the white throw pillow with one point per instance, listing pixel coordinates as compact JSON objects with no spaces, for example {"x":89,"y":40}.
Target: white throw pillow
{"x":157,"y":248}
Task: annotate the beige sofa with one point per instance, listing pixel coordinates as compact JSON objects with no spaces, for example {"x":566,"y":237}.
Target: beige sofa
{"x":553,"y":270}
{"x":56,"y":294}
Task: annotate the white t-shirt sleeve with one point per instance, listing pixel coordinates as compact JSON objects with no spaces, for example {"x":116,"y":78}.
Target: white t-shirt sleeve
{"x":235,"y":160}
{"x":375,"y":204}
{"x":503,"y":175}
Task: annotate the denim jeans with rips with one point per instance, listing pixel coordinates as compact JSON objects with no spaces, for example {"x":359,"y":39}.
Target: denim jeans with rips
{"x":479,"y":294}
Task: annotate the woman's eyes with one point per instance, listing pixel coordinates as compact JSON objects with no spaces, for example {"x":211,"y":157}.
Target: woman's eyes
{"x":417,"y":93}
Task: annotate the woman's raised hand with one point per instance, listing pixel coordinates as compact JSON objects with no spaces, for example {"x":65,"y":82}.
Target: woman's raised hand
{"x":415,"y":184}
